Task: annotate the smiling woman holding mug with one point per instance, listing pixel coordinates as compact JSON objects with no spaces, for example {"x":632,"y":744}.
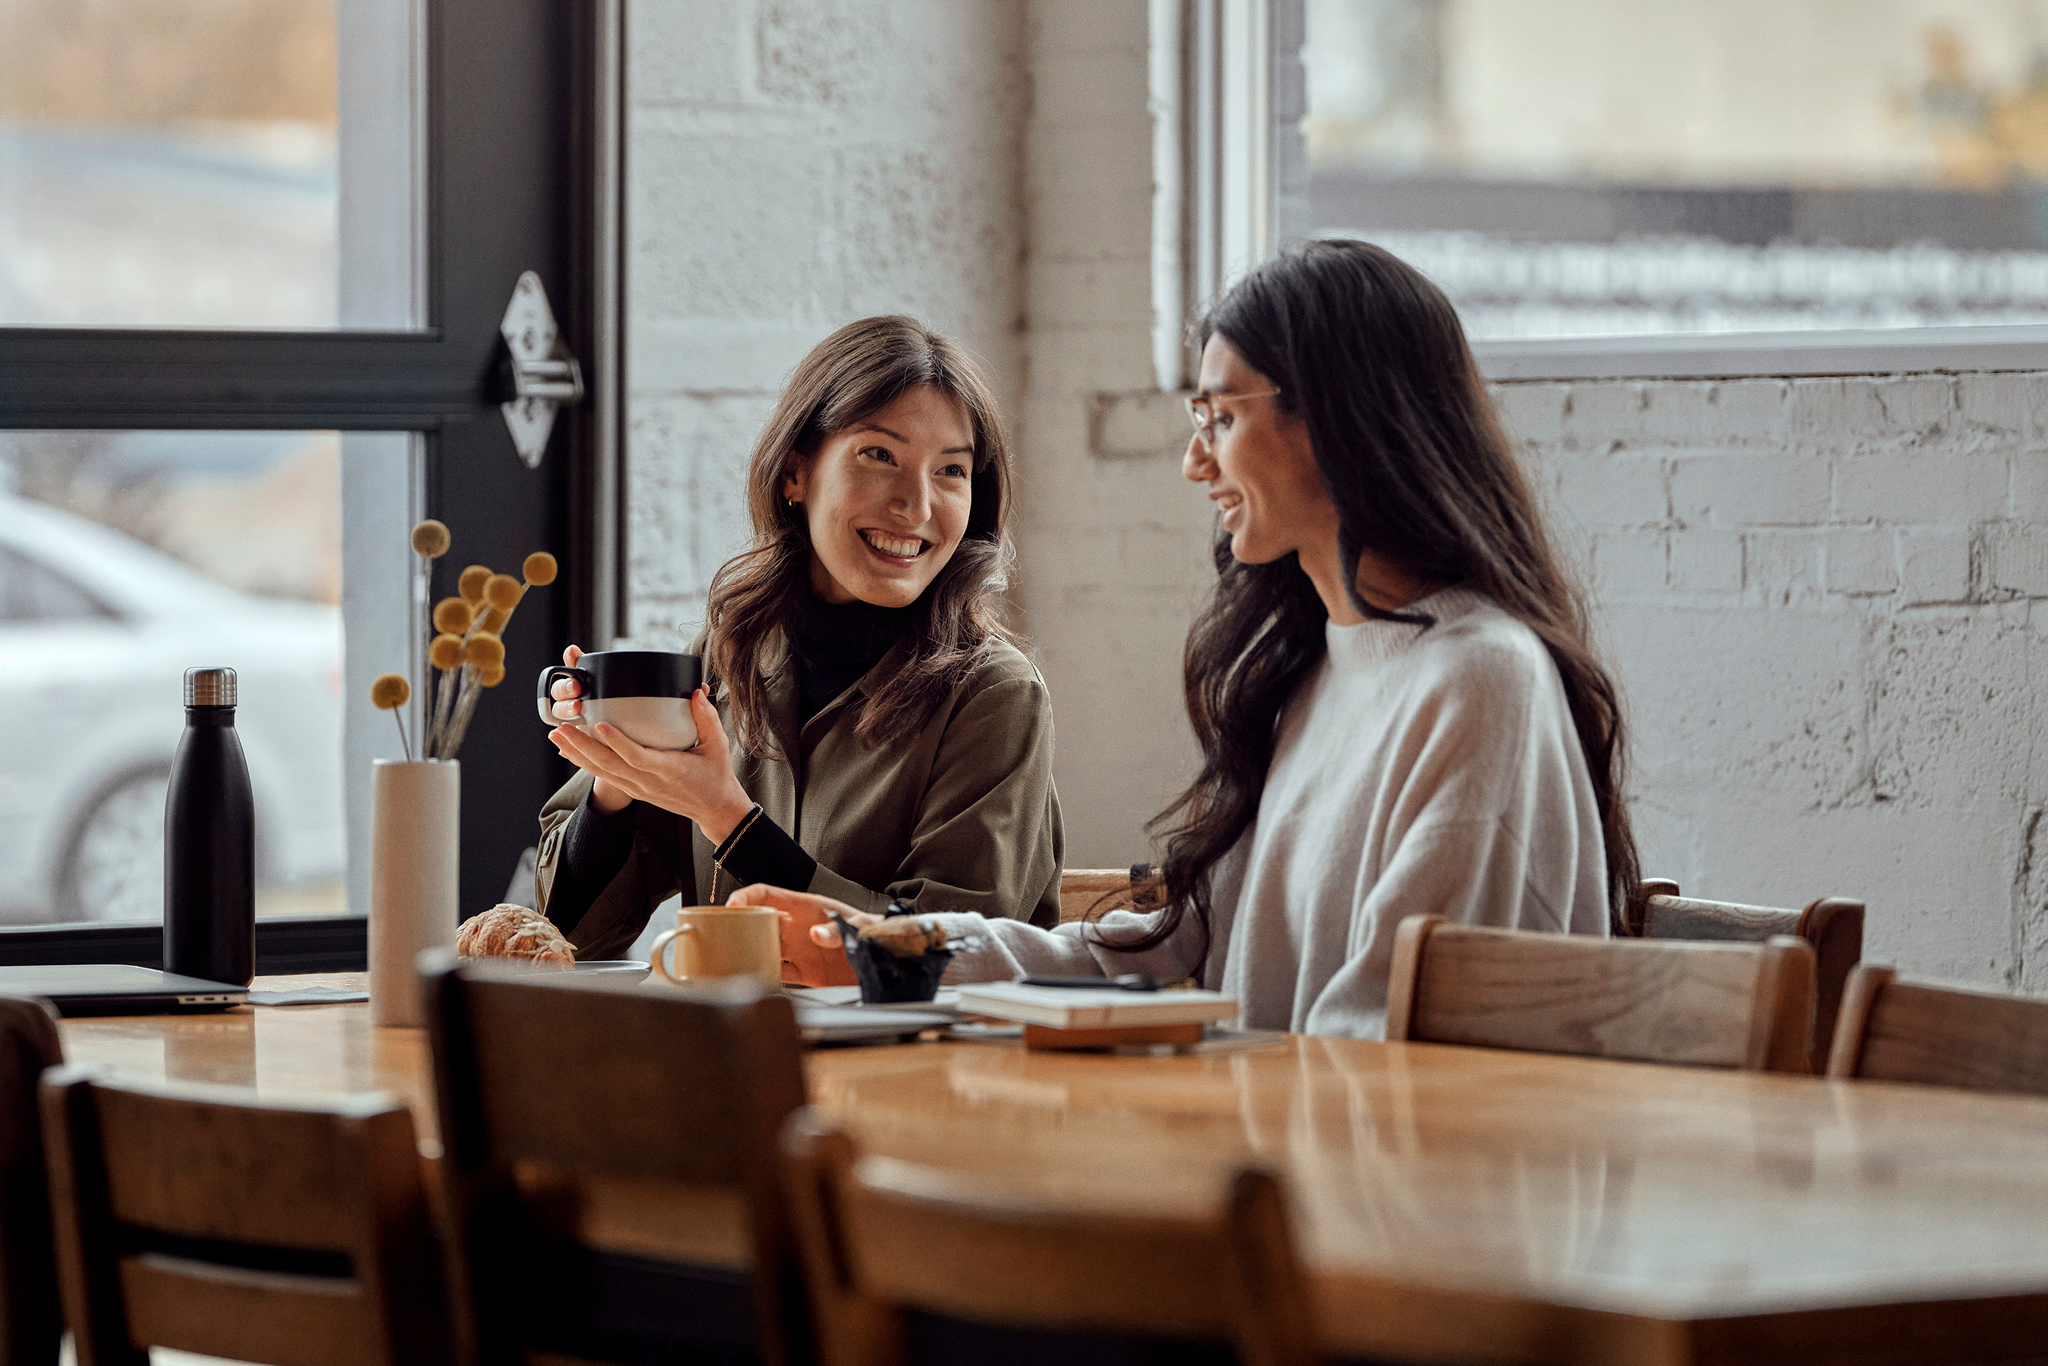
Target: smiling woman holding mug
{"x":870,"y":732}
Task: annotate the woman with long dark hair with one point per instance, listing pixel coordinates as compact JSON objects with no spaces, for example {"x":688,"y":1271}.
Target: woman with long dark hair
{"x":1396,"y":703}
{"x":870,"y":731}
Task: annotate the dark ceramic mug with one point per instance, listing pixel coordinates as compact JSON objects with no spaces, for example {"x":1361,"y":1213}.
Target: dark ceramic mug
{"x":645,"y":693}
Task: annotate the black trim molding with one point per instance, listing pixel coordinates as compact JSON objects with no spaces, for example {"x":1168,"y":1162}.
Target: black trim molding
{"x":128,"y":378}
{"x":284,"y":944}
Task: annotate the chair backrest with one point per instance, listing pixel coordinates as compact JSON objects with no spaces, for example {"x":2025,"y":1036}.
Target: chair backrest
{"x":1832,"y":924}
{"x":887,"y":1244}
{"x":621,"y":1142}
{"x":1716,"y":1005}
{"x":1091,"y":891}
{"x":195,"y":1218}
{"x":31,"y":1325}
{"x":1941,"y":1036}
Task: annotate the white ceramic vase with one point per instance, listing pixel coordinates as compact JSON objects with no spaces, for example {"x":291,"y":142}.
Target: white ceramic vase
{"x":416,"y":817}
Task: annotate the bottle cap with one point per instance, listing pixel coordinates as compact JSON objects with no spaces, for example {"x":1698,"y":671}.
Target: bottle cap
{"x":210,"y":687}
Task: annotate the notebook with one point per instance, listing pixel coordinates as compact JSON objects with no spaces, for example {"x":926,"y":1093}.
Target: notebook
{"x":1092,"y":1008}
{"x":118,"y":989}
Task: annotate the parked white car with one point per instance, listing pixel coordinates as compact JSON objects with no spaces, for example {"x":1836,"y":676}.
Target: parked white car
{"x":96,"y":632}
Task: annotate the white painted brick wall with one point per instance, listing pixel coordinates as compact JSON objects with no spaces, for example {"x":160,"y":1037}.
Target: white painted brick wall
{"x":1113,"y":543}
{"x":794,"y":165}
{"x":1833,"y":691}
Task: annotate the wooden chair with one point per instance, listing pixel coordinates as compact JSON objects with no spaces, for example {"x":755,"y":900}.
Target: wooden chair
{"x":191,"y":1217}
{"x":610,"y":1166}
{"x":1940,"y":1036}
{"x":1089,"y":891}
{"x":907,"y":1264}
{"x":31,"y":1325}
{"x":1832,"y":924}
{"x":1716,"y":1005}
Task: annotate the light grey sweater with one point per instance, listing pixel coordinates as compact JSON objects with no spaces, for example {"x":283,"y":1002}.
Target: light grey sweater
{"x":1417,"y":771}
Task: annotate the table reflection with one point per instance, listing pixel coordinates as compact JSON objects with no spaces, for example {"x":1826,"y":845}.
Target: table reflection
{"x":1415,"y":1169}
{"x":1591,"y":1181}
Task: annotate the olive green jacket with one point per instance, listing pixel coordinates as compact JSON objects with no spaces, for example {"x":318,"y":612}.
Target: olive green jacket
{"x":959,"y":816}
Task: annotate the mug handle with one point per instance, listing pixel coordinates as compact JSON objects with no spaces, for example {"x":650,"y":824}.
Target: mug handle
{"x":545,"y":701}
{"x":659,"y":955}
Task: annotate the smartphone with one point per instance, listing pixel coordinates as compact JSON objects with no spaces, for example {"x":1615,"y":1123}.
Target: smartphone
{"x":1130,"y":981}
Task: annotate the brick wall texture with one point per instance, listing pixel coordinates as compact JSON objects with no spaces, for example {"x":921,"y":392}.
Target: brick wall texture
{"x":795,"y":165}
{"x":1822,"y":597}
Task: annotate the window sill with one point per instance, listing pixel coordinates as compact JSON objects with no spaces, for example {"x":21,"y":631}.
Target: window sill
{"x":1767,"y":354}
{"x":284,"y":944}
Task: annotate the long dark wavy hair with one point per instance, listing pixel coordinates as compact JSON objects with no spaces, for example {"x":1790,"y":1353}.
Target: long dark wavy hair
{"x":845,"y":380}
{"x":1370,"y":355}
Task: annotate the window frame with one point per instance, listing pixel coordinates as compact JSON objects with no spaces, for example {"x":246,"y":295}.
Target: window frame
{"x":473,"y":65}
{"x":1731,"y":355}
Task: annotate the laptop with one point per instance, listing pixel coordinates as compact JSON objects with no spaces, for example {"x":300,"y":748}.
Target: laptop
{"x":118,"y":989}
{"x":865,"y":1024}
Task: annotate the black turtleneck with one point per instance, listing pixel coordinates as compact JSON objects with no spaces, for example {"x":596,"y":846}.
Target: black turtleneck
{"x":833,"y":645}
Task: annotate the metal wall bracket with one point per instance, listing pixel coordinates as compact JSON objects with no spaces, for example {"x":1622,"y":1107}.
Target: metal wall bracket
{"x":539,"y":374}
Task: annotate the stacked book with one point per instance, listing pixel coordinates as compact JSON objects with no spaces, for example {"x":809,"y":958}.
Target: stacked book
{"x":1098,"y":1017}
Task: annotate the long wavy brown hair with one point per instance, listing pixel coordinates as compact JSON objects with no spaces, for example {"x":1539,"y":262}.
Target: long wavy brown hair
{"x":845,"y":380}
{"x":1371,"y":356}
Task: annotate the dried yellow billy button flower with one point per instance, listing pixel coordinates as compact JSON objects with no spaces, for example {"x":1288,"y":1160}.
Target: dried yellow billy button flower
{"x":484,"y":650}
{"x":389,"y":692}
{"x":471,"y":584}
{"x":431,"y":539}
{"x":492,"y":676}
{"x":445,"y":651}
{"x":539,"y":569}
{"x":503,"y":592}
{"x":452,"y":616}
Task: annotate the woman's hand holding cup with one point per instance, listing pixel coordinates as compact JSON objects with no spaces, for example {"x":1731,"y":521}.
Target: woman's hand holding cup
{"x":697,"y":784}
{"x":811,"y":951}
{"x":568,"y":705}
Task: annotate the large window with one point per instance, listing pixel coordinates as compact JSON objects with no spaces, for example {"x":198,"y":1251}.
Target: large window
{"x":254,"y":258}
{"x":1573,"y":168}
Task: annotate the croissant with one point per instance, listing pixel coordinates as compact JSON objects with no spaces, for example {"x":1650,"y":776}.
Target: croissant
{"x":507,"y":931}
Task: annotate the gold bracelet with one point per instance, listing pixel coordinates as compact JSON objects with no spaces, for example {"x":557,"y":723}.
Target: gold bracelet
{"x":717,"y":862}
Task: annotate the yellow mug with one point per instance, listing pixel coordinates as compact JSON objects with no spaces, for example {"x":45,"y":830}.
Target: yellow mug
{"x":722,"y":941}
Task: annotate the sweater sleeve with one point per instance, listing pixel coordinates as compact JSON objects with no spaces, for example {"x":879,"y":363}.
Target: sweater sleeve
{"x":987,"y":837}
{"x":595,"y":845}
{"x":1002,"y":950}
{"x":762,"y":851}
{"x":656,"y":865}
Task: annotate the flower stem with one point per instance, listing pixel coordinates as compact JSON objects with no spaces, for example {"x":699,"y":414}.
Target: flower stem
{"x":444,"y":703}
{"x":464,"y":709}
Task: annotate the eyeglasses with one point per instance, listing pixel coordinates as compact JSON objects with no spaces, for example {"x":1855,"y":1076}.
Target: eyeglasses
{"x":1201,"y":411}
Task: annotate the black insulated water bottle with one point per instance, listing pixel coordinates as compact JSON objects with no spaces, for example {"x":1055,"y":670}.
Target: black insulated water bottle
{"x":210,"y":841}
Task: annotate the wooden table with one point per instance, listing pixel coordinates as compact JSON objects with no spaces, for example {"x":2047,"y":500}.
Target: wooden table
{"x":1454,"y":1204}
